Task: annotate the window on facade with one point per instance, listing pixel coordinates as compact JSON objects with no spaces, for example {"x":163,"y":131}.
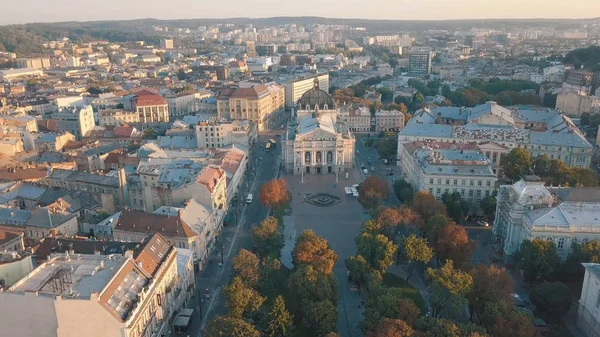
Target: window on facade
{"x":479,"y":183}
{"x":447,"y":181}
{"x":462,"y":182}
{"x":446,"y":190}
{"x":470,"y":193}
{"x":439,"y":181}
{"x":487,"y":193}
{"x":488,"y":183}
{"x":455,"y":182}
{"x":439,"y":191}
{"x":478,"y":193}
{"x":431,"y":191}
{"x":471,"y":182}
{"x":561,"y":243}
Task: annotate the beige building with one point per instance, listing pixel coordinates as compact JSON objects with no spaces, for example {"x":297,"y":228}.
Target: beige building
{"x":36,"y":63}
{"x":72,"y":295}
{"x":356,"y":117}
{"x":257,"y":104}
{"x":316,"y":142}
{"x":214,"y":134}
{"x":78,"y":122}
{"x":117,"y":117}
{"x":10,"y":144}
{"x":151,"y":107}
{"x":573,"y":103}
{"x":186,"y":103}
{"x":389,"y":120}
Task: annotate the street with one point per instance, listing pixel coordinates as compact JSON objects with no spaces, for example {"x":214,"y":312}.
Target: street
{"x":262,"y":167}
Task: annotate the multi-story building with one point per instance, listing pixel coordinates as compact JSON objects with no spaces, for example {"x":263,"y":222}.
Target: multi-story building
{"x":576,"y":103}
{"x":151,"y":107}
{"x":214,"y":134}
{"x":389,"y":120}
{"x":588,"y":311}
{"x":356,"y":117}
{"x":538,"y":131}
{"x":529,"y":210}
{"x":117,"y":117}
{"x":294,"y":89}
{"x":186,"y":103}
{"x":257,"y":104}
{"x":10,"y":144}
{"x":266,"y":49}
{"x":316,"y":142}
{"x":40,"y":222}
{"x":440,"y":168}
{"x":251,"y":48}
{"x":77,"y":121}
{"x":166,"y":44}
{"x":134,"y":294}
{"x":9,"y":75}
{"x":36,"y":63}
{"x":419,"y":62}
{"x":581,"y":81}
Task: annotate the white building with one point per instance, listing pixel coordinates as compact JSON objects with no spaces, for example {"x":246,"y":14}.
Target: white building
{"x":294,"y":89}
{"x":528,"y":210}
{"x":78,"y":122}
{"x":186,"y":102}
{"x":213,"y":134}
{"x":357,"y":118}
{"x":389,"y":120}
{"x":71,"y":295}
{"x":440,"y":168}
{"x":315,"y":142}
{"x":588,"y":312}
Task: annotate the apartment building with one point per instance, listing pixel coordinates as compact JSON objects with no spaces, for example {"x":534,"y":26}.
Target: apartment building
{"x":576,"y":103}
{"x":419,"y":62}
{"x":117,"y":117}
{"x":77,"y":121}
{"x":294,"y":89}
{"x":588,"y":311}
{"x":151,"y":107}
{"x":40,"y":222}
{"x":35,"y":63}
{"x":356,"y":117}
{"x":256,"y":104}
{"x":134,"y":294}
{"x":389,"y":121}
{"x":213,"y":134}
{"x":440,"y":168}
{"x":186,"y":103}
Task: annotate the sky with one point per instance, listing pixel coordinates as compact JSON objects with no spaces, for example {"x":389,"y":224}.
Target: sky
{"x":14,"y":11}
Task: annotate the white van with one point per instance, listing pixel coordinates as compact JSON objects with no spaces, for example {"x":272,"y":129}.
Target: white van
{"x":249,"y":198}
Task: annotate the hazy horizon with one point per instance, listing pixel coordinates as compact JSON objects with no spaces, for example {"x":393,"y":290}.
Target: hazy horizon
{"x":88,"y":10}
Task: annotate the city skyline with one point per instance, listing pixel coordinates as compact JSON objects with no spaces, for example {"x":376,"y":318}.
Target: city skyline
{"x":15,"y":13}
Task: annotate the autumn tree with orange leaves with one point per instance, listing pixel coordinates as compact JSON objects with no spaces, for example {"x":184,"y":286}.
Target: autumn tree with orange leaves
{"x":313,"y":250}
{"x":490,"y":284}
{"x":391,"y":328}
{"x":274,"y":193}
{"x":426,"y":205}
{"x":454,"y":244}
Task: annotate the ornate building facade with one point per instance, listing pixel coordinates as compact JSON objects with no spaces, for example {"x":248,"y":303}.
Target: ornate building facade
{"x":315,"y":141}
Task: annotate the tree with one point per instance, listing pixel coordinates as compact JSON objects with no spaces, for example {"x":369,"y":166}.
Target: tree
{"x":591,"y":251}
{"x":386,"y":94}
{"x":246,"y":266}
{"x":389,"y":218}
{"x":314,"y":250}
{"x":306,"y":283}
{"x":404,"y":191}
{"x":391,"y":328}
{"x":415,"y":250}
{"x":537,"y":259}
{"x":377,"y":250}
{"x":358,"y":270}
{"x":454,"y":244}
{"x":549,"y":100}
{"x":434,"y":226}
{"x":386,"y":147}
{"x":271,"y":276}
{"x":274,"y":193}
{"x":490,"y":284}
{"x":149,"y":134}
{"x":426,"y":205}
{"x":516,"y":163}
{"x":449,"y":287}
{"x":456,"y":206}
{"x":224,"y":326}
{"x":268,"y":238}
{"x":241,"y":299}
{"x":500,"y":319}
{"x":553,"y":299}
{"x":280,"y":320}
{"x":372,"y":190}
{"x":94,"y":91}
{"x":388,"y":303}
{"x":319,"y":318}
{"x":407,"y":311}
{"x":488,"y":205}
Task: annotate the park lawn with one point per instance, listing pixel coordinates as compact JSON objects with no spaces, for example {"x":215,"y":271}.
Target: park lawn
{"x":391,"y":280}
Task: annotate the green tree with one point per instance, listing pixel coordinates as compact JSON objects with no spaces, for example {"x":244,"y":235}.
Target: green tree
{"x":488,"y":205}
{"x":320,"y":318}
{"x":549,"y":100}
{"x":434,"y":226}
{"x":388,"y":303}
{"x":181,"y":75}
{"x":449,"y":286}
{"x":308,"y":284}
{"x":246,"y":266}
{"x":386,"y":94}
{"x":240,"y":299}
{"x":516,"y":163}
{"x":94,"y":91}
{"x":456,"y":206}
{"x":404,"y":191}
{"x":268,"y":238}
{"x":359,"y":270}
{"x":553,"y":299}
{"x":372,"y":191}
{"x":537,"y":259}
{"x":391,"y":328}
{"x":386,"y":147}
{"x":500,"y":319}
{"x":314,"y":250}
{"x":149,"y":134}
{"x":225,"y":326}
{"x":377,"y":250}
{"x":415,"y":250}
{"x":280,"y":320}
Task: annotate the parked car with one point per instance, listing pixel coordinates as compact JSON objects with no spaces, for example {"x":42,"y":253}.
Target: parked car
{"x":372,"y":169}
{"x":482,"y":223}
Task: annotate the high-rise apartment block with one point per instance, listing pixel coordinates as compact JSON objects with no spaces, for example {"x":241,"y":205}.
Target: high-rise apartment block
{"x":419,"y":62}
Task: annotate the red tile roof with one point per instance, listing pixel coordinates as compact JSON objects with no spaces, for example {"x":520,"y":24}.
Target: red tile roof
{"x":123,"y":131}
{"x":254,"y":92}
{"x":142,"y":222}
{"x":210,"y":177}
